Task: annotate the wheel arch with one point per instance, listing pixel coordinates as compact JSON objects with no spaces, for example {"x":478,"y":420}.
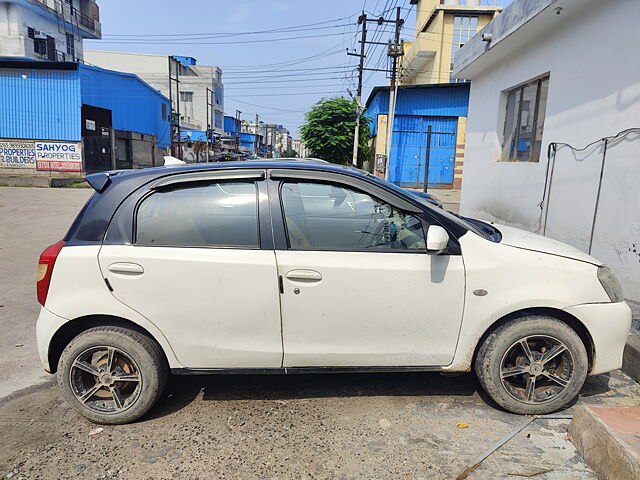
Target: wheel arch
{"x":571,"y":321}
{"x":73,"y":328}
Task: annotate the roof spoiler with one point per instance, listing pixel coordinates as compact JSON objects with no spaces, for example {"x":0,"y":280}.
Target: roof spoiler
{"x":99,"y":181}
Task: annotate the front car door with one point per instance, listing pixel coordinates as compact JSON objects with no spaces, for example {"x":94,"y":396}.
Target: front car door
{"x":358,"y":287}
{"x":201,"y":267}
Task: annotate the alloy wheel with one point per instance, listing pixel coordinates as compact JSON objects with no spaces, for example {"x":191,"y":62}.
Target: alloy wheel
{"x":537,"y":369}
{"x":105,"y":379}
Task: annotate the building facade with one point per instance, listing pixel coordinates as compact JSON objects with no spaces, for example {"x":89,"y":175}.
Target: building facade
{"x":553,"y":137}
{"x":429,"y":128}
{"x":198,"y":95}
{"x":89,"y":120}
{"x":51,"y":30}
{"x":442,"y":27}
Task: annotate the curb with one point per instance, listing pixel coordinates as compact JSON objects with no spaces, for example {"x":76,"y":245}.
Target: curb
{"x":631,"y":357}
{"x":609,"y":440}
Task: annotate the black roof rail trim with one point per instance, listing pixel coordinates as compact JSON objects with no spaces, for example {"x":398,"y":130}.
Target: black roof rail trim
{"x":209,"y":175}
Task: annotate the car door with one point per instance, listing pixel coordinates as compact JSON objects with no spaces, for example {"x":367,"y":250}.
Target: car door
{"x":358,"y":287}
{"x":202,"y":268}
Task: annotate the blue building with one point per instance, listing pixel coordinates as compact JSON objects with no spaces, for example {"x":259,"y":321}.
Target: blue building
{"x":67,"y":116}
{"x":243,"y":141}
{"x":440,"y":109}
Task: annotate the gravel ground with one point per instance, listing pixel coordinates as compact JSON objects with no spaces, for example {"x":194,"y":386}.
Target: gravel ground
{"x":351,"y":426}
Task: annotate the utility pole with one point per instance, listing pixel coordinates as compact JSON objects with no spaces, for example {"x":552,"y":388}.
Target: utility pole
{"x":209,"y":133}
{"x":237,"y":129}
{"x":395,"y":51}
{"x":174,"y":116}
{"x":362,"y":20}
{"x":255,"y":139}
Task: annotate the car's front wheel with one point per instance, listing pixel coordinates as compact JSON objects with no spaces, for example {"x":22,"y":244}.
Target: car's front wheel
{"x":532,"y":365}
{"x":112,"y":375}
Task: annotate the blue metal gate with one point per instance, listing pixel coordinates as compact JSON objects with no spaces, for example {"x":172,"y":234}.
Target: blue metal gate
{"x":409,"y":150}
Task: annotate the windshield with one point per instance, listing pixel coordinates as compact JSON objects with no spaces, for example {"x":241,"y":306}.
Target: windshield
{"x":483,"y":229}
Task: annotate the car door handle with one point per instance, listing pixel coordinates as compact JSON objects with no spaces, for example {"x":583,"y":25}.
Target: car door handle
{"x":126,"y":268}
{"x":304,"y":276}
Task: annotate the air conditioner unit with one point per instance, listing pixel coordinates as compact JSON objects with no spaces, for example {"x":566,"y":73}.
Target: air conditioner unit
{"x":39,"y":34}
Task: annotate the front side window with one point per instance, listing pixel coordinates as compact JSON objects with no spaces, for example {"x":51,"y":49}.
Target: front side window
{"x":524,"y":121}
{"x":333,"y":217}
{"x":221,"y":214}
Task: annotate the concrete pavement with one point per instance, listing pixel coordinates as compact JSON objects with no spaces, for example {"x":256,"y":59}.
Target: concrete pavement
{"x":30,"y":220}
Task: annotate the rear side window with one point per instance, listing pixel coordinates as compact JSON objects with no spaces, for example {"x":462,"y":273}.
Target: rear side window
{"x":221,"y":214}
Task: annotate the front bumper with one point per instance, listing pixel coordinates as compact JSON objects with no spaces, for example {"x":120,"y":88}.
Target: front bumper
{"x":47,"y":325}
{"x":609,"y":325}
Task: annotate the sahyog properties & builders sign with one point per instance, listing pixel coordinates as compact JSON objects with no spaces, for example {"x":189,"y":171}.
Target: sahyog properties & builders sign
{"x":41,"y":155}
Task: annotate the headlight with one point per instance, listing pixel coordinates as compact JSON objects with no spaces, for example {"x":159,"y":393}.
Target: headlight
{"x":610,"y":283}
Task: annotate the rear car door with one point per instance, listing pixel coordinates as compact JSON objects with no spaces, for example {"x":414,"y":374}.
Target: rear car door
{"x":201,"y":267}
{"x":359,"y":288}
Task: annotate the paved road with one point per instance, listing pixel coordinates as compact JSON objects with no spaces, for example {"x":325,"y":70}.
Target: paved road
{"x":326,"y":426}
{"x":30,"y":219}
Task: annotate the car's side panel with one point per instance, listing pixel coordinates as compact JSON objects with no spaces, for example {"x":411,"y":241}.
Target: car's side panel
{"x":502,"y":279}
{"x":218,"y":307}
{"x":78,"y":290}
{"x":371,"y":309}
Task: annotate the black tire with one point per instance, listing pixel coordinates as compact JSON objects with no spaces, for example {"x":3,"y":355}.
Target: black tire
{"x":127,"y":367}
{"x":534,"y":392}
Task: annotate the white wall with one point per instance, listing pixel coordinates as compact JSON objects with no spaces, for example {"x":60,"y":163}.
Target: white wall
{"x":15,"y":19}
{"x":594,"y":91}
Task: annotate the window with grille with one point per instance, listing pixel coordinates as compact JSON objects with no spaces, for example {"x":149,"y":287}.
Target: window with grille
{"x":524,"y":121}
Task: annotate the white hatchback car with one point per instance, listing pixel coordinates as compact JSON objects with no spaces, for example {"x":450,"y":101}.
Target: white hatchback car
{"x":305,"y":266}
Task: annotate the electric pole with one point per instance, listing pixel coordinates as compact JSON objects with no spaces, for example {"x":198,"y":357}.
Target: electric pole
{"x":362,"y":20}
{"x":255,"y":140}
{"x":395,"y":51}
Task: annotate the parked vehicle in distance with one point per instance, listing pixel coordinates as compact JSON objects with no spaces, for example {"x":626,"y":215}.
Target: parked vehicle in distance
{"x":303,"y":266}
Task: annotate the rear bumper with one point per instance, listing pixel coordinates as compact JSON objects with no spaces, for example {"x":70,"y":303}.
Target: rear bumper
{"x":609,"y":325}
{"x":46,"y":327}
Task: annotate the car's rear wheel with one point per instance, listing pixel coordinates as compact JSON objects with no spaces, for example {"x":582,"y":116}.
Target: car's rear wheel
{"x":532,"y":365}
{"x":112,"y":375}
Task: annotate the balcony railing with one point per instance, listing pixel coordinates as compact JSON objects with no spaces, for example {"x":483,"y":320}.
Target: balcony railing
{"x":74,"y":14}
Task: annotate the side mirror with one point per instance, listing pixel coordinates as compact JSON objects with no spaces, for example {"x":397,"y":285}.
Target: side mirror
{"x":437,"y":239}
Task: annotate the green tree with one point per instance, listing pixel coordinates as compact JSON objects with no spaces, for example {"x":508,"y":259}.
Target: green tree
{"x":289,"y":153}
{"x":328,"y":131}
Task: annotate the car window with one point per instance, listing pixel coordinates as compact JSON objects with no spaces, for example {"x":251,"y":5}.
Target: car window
{"x":215,"y":214}
{"x":333,"y":217}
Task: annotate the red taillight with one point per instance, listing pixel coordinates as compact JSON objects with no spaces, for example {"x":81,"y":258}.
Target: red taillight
{"x":45,"y":268}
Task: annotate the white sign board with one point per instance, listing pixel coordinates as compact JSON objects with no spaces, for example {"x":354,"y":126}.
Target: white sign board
{"x":17,"y":154}
{"x":58,"y":156}
{"x":90,"y":124}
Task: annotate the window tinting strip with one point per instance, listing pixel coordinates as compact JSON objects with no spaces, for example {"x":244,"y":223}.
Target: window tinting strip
{"x":204,"y":176}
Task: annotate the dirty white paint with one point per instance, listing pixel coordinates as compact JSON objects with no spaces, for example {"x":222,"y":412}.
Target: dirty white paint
{"x":589,"y":50}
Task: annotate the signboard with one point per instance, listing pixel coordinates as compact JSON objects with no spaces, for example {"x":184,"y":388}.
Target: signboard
{"x":41,"y":156}
{"x":90,"y":124}
{"x":58,"y":156}
{"x":17,"y":154}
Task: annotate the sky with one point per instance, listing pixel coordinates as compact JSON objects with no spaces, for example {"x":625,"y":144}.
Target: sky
{"x":277,"y":74}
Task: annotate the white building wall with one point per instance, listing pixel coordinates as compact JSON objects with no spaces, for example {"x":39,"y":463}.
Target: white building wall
{"x":594,"y":91}
{"x":16,"y":18}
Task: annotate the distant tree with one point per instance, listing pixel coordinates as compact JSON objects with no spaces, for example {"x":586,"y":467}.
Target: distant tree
{"x":328,"y":131}
{"x":289,"y":153}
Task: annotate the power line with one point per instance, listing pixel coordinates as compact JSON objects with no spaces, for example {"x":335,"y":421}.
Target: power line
{"x":235,"y":42}
{"x":222,"y":34}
